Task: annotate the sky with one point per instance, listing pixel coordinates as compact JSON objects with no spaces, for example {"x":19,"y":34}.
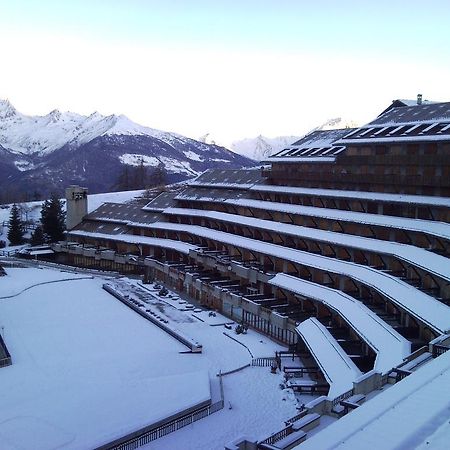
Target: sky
{"x":234,"y":69}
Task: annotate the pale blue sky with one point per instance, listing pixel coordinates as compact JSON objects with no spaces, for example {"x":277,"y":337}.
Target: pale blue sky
{"x":231,"y":68}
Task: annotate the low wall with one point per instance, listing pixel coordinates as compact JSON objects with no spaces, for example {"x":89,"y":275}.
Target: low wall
{"x":194,"y":346}
{"x":163,"y":427}
{"x":368,"y":382}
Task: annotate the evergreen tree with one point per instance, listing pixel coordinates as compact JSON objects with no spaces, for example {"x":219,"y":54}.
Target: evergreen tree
{"x":159,"y":176}
{"x":53,"y":219}
{"x":37,"y":238}
{"x":124,"y":180}
{"x":15,"y":232}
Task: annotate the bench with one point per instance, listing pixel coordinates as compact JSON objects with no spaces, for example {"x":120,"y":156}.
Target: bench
{"x":306,"y":386}
{"x":306,"y":423}
{"x":352,"y":402}
{"x":357,"y":398}
{"x":287,"y":443}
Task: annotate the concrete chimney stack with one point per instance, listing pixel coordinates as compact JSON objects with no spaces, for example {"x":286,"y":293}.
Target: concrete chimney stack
{"x":419,"y":99}
{"x":76,"y":200}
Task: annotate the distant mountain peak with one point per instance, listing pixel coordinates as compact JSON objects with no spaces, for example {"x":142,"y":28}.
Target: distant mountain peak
{"x":6,"y":109}
{"x":48,"y":153}
{"x":39,"y":135}
{"x":261,"y":146}
{"x":54,"y":115}
{"x":96,"y":115}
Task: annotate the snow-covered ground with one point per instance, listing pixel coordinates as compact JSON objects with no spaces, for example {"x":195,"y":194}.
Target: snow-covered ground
{"x":87,"y":369}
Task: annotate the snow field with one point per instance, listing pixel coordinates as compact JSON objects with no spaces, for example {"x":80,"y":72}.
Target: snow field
{"x":87,"y":367}
{"x":87,"y":370}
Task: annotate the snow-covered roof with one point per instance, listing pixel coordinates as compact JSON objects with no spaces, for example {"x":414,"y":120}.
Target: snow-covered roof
{"x":218,"y":191}
{"x":420,"y":305}
{"x":426,"y":122}
{"x":228,"y":178}
{"x":317,"y":146}
{"x":179,"y":246}
{"x":307,"y":159}
{"x":162,"y":201}
{"x":407,"y":102}
{"x":439,"y":229}
{"x":122,"y":213}
{"x":413,"y":102}
{"x":426,"y":112}
{"x":371,"y":196}
{"x":338,"y":369}
{"x":389,"y":345}
{"x":411,"y":414}
{"x":429,"y":261}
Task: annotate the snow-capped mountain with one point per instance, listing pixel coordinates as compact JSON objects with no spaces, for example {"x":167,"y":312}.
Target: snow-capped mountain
{"x":46,"y":153}
{"x":261,"y":147}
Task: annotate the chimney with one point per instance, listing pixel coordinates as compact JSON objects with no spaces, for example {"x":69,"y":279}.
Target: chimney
{"x":76,"y":198}
{"x":419,"y":99}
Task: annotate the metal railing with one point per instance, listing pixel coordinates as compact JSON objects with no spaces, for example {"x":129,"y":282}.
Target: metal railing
{"x":277,"y":436}
{"x":148,"y":435}
{"x":298,"y":416}
{"x":6,"y":360}
{"x":343,"y":396}
{"x":264,"y":362}
{"x":439,"y":350}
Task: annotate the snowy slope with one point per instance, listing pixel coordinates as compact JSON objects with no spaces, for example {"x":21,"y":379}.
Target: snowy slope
{"x":47,"y":153}
{"x":261,"y":147}
{"x":44,"y":134}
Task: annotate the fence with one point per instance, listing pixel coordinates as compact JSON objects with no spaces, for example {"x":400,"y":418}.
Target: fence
{"x":233,"y":371}
{"x":146,"y":435}
{"x":343,"y":396}
{"x":277,"y":436}
{"x":5,"y":357}
{"x":263,"y":362}
{"x":300,"y":415}
{"x":439,"y":350}
{"x":8,"y":252}
{"x":298,"y":372}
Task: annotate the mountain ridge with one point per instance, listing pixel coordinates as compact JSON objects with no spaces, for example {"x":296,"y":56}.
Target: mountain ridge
{"x":47,"y":153}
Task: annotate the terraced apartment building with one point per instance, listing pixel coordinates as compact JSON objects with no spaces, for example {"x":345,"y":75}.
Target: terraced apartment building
{"x":338,"y":245}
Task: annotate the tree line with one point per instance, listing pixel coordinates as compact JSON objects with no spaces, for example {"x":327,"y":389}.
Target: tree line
{"x":140,"y":177}
{"x":51,"y":228}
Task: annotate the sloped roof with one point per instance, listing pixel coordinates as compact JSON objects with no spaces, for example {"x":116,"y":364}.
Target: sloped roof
{"x":413,"y":114}
{"x":405,"y":102}
{"x":228,"y":178}
{"x":316,"y":146}
{"x":426,"y":122}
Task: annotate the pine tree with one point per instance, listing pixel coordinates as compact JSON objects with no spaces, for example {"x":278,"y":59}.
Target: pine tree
{"x":53,"y":219}
{"x":123,"y":181}
{"x":159,"y":176}
{"x":37,"y":237}
{"x":15,"y":232}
